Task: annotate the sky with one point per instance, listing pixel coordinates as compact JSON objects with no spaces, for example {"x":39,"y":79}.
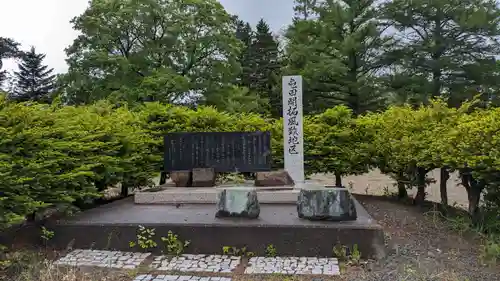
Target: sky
{"x":45,"y":23}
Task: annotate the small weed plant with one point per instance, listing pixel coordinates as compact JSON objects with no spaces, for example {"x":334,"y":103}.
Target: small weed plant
{"x":145,"y":238}
{"x":271,"y":251}
{"x":350,"y":256}
{"x":234,"y":251}
{"x":489,"y":252}
{"x":46,"y":235}
{"x":173,"y":245}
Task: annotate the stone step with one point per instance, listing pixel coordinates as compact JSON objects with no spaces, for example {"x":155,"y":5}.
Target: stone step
{"x":208,"y":195}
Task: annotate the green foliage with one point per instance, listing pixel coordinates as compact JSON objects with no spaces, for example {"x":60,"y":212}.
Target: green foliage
{"x":271,"y":251}
{"x":444,"y":48}
{"x":35,"y":81}
{"x":173,"y":244}
{"x":490,"y":251}
{"x":54,"y":155}
{"x":262,"y":68}
{"x":334,"y":143}
{"x":345,"y":254}
{"x":340,"y":252}
{"x":406,"y":143}
{"x":337,"y":46}
{"x":241,"y":100}
{"x":46,"y":234}
{"x":225,"y":178}
{"x":145,"y":238}
{"x":153,"y":50}
{"x":57,"y":155}
{"x":234,"y":251}
{"x":8,"y":49}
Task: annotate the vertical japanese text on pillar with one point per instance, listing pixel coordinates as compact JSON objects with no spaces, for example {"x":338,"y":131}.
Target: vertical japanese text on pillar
{"x":293,"y":123}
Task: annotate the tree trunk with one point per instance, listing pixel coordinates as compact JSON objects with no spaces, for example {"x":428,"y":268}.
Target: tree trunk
{"x":124,"y":190}
{"x":474,"y":211}
{"x":31,"y":217}
{"x":163,"y":178}
{"x":420,"y":196}
{"x":474,"y":190}
{"x":402,"y":193}
{"x":445,"y":175}
{"x":338,"y":180}
{"x":100,"y":185}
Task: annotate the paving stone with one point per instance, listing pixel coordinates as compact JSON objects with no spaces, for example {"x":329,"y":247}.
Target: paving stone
{"x":293,"y":266}
{"x":100,"y":258}
{"x":180,"y":278}
{"x":196,"y":263}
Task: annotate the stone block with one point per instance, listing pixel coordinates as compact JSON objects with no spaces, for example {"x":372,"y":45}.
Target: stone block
{"x":181,"y":178}
{"x":238,"y":202}
{"x":273,"y":178}
{"x":203,"y":177}
{"x":334,"y":204}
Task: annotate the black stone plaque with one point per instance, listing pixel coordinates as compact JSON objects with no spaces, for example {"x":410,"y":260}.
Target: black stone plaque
{"x":223,"y":151}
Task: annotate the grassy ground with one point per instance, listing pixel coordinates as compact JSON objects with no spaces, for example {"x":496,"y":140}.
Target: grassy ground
{"x":421,"y":245}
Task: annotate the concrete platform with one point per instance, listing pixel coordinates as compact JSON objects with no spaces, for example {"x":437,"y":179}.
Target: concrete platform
{"x":168,"y":194}
{"x":112,"y":227}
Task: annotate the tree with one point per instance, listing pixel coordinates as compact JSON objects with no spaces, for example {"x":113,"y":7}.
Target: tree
{"x":8,"y":49}
{"x":444,"y":48}
{"x":244,"y":33}
{"x":304,"y":9}
{"x":335,"y":145}
{"x":241,"y":100}
{"x":263,"y":67}
{"x":34,"y":81}
{"x":318,"y":64}
{"x":125,"y":42}
{"x":351,"y":26}
{"x":337,"y":46}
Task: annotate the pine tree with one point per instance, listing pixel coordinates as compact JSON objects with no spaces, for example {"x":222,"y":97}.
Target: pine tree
{"x":357,"y":37}
{"x":264,"y":67}
{"x":304,"y":9}
{"x":8,"y":49}
{"x":446,"y":48}
{"x":337,"y":47}
{"x":244,"y":33}
{"x":35,"y":81}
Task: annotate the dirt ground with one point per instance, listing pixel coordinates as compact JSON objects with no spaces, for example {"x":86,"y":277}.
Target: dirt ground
{"x":375,"y":183}
{"x":421,"y":244}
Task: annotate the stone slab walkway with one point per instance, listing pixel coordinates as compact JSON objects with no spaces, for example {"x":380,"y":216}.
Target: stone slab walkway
{"x":200,"y":264}
{"x":99,"y":258}
{"x":150,"y":277}
{"x":197,"y":263}
{"x":293,"y":266}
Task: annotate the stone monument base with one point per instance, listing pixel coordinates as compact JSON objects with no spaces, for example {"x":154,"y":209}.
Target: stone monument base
{"x":112,"y":226}
{"x":333,"y":204}
{"x":169,"y":194}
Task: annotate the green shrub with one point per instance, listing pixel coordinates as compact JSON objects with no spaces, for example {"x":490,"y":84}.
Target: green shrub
{"x":55,"y":154}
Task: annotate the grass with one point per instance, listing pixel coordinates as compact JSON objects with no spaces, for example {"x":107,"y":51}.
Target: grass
{"x":31,"y":266}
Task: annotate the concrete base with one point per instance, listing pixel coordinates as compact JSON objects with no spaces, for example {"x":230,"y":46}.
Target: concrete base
{"x":208,"y":195}
{"x":112,"y":226}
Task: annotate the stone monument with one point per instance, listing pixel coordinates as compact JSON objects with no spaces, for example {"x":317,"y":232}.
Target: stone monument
{"x":238,"y":202}
{"x":194,"y":159}
{"x":292,"y":127}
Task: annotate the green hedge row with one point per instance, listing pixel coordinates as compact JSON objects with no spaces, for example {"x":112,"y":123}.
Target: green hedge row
{"x":51,"y":155}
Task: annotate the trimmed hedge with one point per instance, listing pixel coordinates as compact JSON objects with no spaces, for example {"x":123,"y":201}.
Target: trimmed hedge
{"x":52,"y":155}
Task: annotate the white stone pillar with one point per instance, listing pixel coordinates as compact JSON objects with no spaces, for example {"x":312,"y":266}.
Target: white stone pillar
{"x":293,"y":127}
